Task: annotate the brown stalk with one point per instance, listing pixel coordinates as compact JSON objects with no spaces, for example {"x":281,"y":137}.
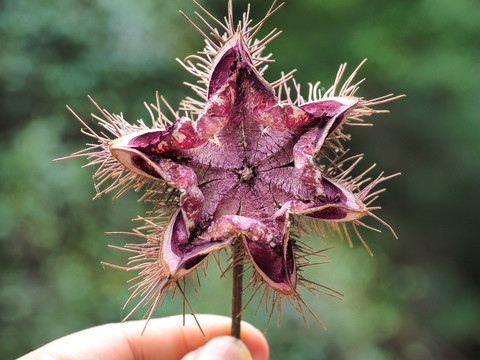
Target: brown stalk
{"x":237,"y":287}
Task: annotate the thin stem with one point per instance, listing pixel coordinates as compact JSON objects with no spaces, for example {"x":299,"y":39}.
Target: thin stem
{"x":237,"y":287}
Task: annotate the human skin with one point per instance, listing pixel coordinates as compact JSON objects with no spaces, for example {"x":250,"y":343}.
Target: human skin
{"x":164,"y":338}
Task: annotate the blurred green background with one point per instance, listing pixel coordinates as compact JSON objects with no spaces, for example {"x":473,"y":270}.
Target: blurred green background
{"x":417,"y":298}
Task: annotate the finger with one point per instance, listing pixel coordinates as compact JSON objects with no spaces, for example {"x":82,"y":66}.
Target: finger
{"x":220,"y":348}
{"x":164,"y":338}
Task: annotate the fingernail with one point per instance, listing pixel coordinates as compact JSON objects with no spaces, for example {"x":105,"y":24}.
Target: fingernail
{"x":221,"y":348}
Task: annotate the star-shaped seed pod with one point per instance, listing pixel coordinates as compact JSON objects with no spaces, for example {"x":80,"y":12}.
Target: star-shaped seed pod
{"x":243,"y":164}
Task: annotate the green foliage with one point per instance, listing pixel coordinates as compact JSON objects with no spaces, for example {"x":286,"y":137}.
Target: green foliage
{"x":417,"y":298}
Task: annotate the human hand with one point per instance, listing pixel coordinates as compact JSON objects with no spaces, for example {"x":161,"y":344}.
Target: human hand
{"x":164,"y":339}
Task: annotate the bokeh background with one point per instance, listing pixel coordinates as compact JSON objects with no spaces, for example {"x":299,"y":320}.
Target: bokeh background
{"x":417,"y":298}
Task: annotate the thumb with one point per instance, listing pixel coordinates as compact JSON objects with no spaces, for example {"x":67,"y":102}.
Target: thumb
{"x":221,"y":348}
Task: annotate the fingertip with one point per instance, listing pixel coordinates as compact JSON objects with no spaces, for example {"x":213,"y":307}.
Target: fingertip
{"x":220,"y":348}
{"x":216,"y":326}
{"x":255,"y":341}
